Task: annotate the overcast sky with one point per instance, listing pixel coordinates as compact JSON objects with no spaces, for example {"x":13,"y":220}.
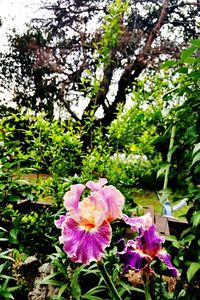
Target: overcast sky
{"x":14,"y":14}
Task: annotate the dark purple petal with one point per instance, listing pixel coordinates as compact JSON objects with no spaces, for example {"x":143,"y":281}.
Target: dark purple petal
{"x":85,"y":245}
{"x":166,"y":258}
{"x":149,"y":242}
{"x":60,"y":221}
{"x":132,"y":258}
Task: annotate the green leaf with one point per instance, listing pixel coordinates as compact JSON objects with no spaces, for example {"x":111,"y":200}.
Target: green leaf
{"x":61,"y":267}
{"x":168,"y":63}
{"x":172,"y":150}
{"x":3,"y":239}
{"x":21,"y":181}
{"x":91,"y":297}
{"x":181,"y":294}
{"x":13,"y":233}
{"x":163,"y":169}
{"x":3,"y":229}
{"x":51,"y":282}
{"x":193,"y":268}
{"x":182,"y":70}
{"x":176,"y":244}
{"x":196,"y":218}
{"x":75,"y":286}
{"x":6,"y":294}
{"x":195,"y":75}
{"x":186,"y":231}
{"x":187,"y":52}
{"x":188,"y":238}
{"x":171,"y":238}
{"x":196,"y":42}
{"x":196,"y":158}
{"x":61,"y":290}
{"x":196,"y":148}
{"x":3,"y":255}
{"x":47,"y":280}
{"x":128,"y":288}
{"x":95,"y":290}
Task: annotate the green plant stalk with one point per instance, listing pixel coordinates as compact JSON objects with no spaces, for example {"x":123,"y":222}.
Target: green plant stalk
{"x":108,"y":281}
{"x":169,"y":156}
{"x":145,"y":274}
{"x":146,"y":290}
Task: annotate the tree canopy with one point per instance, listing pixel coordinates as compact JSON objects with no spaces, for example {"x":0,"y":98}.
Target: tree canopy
{"x":90,"y":53}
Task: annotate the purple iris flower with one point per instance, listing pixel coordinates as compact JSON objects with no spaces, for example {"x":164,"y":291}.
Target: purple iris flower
{"x":85,"y":229}
{"x":140,"y":253}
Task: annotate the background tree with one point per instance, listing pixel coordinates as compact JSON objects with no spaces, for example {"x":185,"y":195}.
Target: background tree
{"x":67,"y":60}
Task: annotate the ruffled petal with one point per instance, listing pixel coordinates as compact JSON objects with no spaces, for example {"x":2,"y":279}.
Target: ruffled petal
{"x":84,"y":245}
{"x":166,"y":258}
{"x":93,"y":209}
{"x":143,"y":222}
{"x":95,"y":186}
{"x":60,"y":221}
{"x":149,"y":241}
{"x":132,"y":258}
{"x":114,"y":200}
{"x":71,"y":200}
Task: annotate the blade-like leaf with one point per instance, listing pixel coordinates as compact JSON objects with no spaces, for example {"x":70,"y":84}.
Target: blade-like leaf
{"x":196,"y":42}
{"x":196,"y":158}
{"x":196,"y":148}
{"x":187,"y":52}
{"x":193,"y":268}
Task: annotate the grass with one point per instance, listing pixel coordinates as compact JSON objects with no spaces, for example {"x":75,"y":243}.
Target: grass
{"x":149,"y":198}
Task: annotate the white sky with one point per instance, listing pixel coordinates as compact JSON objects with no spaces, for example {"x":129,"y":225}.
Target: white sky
{"x":14,"y":14}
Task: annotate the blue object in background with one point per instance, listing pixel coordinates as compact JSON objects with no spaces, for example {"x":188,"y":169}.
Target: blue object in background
{"x":167,"y":210}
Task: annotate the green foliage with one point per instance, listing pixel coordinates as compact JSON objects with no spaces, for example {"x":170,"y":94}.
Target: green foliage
{"x":130,"y":155}
{"x":7,"y":282}
{"x":50,"y":147}
{"x":112,"y":29}
{"x":187,"y":160}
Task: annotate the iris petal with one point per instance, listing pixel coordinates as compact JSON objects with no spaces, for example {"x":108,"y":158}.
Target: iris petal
{"x":150,"y":242}
{"x":84,"y":245}
{"x":72,"y":197}
{"x":166,"y":258}
{"x":132,"y":258}
{"x":114,"y":200}
{"x":60,"y":221}
{"x":95,"y":186}
{"x":143,"y":222}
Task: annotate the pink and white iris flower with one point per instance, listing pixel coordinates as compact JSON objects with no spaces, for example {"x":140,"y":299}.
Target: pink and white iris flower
{"x":136,"y":223}
{"x":85,"y":229}
{"x":140,"y":253}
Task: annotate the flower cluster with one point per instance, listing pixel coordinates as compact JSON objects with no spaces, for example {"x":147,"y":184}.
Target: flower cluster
{"x":86,"y":229}
{"x":147,"y":246}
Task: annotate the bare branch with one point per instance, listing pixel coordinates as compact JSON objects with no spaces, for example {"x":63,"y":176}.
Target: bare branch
{"x":155,"y":30}
{"x":68,"y":108}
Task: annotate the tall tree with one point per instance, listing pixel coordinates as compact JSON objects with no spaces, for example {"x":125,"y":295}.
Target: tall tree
{"x":90,"y":53}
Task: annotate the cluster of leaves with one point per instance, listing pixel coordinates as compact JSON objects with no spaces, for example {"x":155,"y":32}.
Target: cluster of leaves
{"x":50,"y":147}
{"x":186,"y":156}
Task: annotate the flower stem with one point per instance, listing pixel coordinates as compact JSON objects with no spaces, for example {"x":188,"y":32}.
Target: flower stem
{"x":108,"y":281}
{"x":146,"y":290}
